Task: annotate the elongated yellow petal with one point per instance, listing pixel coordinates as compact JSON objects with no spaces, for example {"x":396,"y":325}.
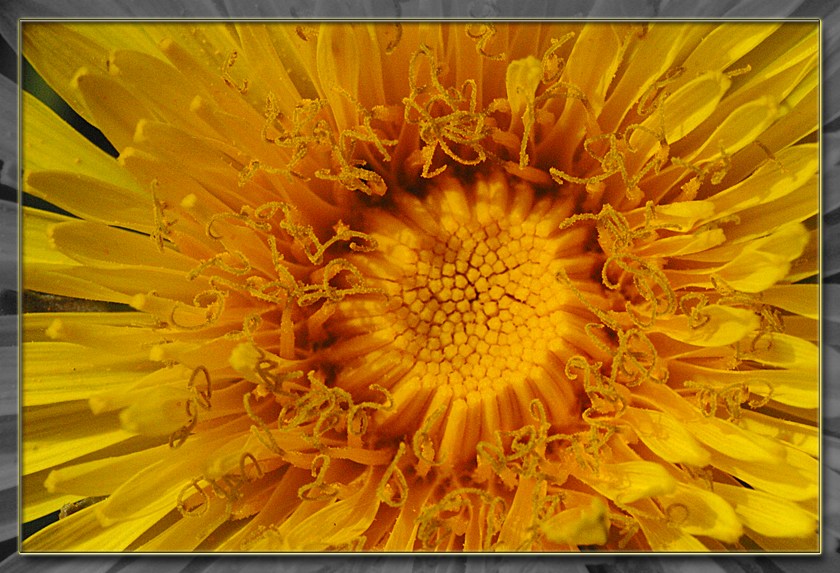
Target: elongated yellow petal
{"x":781,"y":479}
{"x":62,"y":372}
{"x":578,"y":526}
{"x":81,"y":532}
{"x":103,"y":246}
{"x":728,"y":438}
{"x":100,"y":477}
{"x":768,"y":514}
{"x":57,"y":435}
{"x":334,"y":525}
{"x":627,"y":482}
{"x":114,"y":109}
{"x":701,"y":512}
{"x":788,"y":352}
{"x":726,"y":44}
{"x":800,"y":436}
{"x":725,"y":325}
{"x":666,"y":436}
{"x":50,"y":144}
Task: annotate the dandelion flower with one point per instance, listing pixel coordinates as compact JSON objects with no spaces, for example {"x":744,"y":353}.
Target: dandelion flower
{"x":424,"y":287}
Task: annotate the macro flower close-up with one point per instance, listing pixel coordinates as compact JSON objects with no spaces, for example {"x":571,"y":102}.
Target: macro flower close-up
{"x":422,"y":287}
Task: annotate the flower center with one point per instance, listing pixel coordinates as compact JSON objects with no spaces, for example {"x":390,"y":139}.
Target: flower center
{"x":475,"y":324}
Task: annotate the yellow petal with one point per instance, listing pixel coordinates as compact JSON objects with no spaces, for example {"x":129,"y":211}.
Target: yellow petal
{"x":686,"y":108}
{"x":56,"y":434}
{"x":114,"y":109}
{"x":522,"y":78}
{"x":802,"y":299}
{"x":338,"y":66}
{"x":81,"y":531}
{"x":593,"y":62}
{"x":793,"y":167}
{"x":738,"y":130}
{"x":121,"y":333}
{"x":726,"y":44}
{"x":258,"y":48}
{"x":666,"y":437}
{"x":335,"y":524}
{"x":795,"y":478}
{"x":186,"y":534}
{"x":582,"y":525}
{"x":796,"y":387}
{"x":37,"y":502}
{"x":784,"y":351}
{"x":801,"y":436}
{"x":728,"y":438}
{"x":404,"y":532}
{"x":92,"y":199}
{"x":157,"y":485}
{"x":36,"y":243}
{"x":55,"y":279}
{"x":649,"y":61}
{"x":100,"y":477}
{"x":796,"y":206}
{"x":100,"y":245}
{"x":664,"y":537}
{"x":519,"y":518}
{"x":50,"y":144}
{"x":56,"y":52}
{"x":752,"y":266}
{"x":725,"y":325}
{"x":160,"y":413}
{"x":62,"y":371}
{"x":159,"y":86}
{"x":627,"y":482}
{"x":768,"y":514}
{"x":701,"y":512}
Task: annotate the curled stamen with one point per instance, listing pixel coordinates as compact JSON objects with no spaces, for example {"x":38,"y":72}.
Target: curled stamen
{"x":318,"y":490}
{"x":486,"y":32}
{"x":606,"y":319}
{"x":433,"y":527}
{"x":247,"y":456}
{"x":422,"y":443}
{"x":215,"y":306}
{"x":218,"y":261}
{"x":356,"y":284}
{"x":738,"y":71}
{"x":364,"y":132}
{"x":202,"y":395}
{"x":357,"y":418}
{"x":179,"y":436}
{"x":226,"y":76}
{"x":650,"y":100}
{"x":706,"y":395}
{"x":676,"y":514}
{"x":261,"y":430}
{"x":394,"y":473}
{"x":696,"y":315}
{"x":439,"y":128}
{"x":646,"y":279}
{"x":162,"y":225}
{"x":199,"y":509}
{"x":552,"y":65}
